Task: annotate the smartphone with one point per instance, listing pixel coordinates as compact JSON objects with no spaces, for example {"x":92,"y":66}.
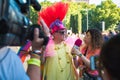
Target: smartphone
{"x":93,"y":62}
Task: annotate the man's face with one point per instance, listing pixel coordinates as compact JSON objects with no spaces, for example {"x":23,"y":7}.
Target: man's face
{"x":61,"y":34}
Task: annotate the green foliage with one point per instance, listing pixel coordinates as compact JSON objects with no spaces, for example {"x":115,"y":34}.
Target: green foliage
{"x":45,"y":4}
{"x":73,"y":17}
{"x":108,"y":12}
{"x":76,"y":16}
{"x":33,"y":15}
{"x":74,"y":23}
{"x":79,"y":23}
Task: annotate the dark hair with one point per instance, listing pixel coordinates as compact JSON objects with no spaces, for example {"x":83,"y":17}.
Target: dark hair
{"x":110,"y":57}
{"x":96,"y":38}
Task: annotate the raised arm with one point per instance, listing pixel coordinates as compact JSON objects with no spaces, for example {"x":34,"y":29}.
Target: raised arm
{"x":33,"y":70}
{"x":45,"y":27}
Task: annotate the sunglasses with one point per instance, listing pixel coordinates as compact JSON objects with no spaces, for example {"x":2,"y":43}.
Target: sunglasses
{"x":61,"y":32}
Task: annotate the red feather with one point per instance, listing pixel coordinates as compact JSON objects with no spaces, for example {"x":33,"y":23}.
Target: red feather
{"x":53,"y":12}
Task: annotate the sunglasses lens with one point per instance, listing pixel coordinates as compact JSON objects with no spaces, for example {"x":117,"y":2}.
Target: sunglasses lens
{"x":62,"y":32}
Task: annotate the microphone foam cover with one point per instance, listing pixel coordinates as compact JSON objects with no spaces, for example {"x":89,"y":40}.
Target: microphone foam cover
{"x":78,"y":42}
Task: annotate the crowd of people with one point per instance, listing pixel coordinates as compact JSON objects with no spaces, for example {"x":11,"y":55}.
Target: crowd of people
{"x":61,"y":60}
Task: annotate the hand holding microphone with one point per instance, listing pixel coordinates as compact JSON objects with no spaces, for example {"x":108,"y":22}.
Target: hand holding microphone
{"x":77,"y":44}
{"x":76,"y":51}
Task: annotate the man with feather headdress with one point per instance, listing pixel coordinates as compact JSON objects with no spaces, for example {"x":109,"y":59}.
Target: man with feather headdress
{"x":58,"y":59}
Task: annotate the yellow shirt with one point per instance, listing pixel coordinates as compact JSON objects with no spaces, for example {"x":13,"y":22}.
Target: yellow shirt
{"x":59,"y":66}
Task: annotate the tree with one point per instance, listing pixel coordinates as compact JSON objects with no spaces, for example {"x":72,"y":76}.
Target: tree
{"x":74,"y":17}
{"x":34,"y":14}
{"x":86,"y":12}
{"x":107,"y":12}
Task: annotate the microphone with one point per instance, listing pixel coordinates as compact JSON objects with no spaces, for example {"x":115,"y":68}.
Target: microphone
{"x":77,"y":43}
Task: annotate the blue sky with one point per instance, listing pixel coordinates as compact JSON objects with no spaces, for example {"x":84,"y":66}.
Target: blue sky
{"x":92,"y":1}
{"x":99,"y":1}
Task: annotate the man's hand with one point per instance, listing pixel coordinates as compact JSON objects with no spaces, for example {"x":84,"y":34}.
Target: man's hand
{"x":34,"y":70}
{"x":45,"y":27}
{"x":37,"y":42}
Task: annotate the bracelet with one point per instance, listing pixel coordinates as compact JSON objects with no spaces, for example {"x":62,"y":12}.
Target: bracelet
{"x":80,"y":55}
{"x":38,"y":52}
{"x":34,"y":61}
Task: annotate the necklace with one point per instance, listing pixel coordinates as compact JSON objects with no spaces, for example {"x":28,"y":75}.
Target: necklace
{"x":62,"y":55}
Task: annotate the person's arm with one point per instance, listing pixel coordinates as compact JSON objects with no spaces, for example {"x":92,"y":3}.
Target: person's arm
{"x":84,"y":59}
{"x":76,"y":62}
{"x":45,"y":27}
{"x":33,"y":70}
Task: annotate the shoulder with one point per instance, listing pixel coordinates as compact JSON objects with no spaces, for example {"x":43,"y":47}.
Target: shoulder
{"x":12,"y":66}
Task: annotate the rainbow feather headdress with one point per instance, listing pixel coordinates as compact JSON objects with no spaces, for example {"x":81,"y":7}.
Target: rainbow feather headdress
{"x":53,"y":16}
